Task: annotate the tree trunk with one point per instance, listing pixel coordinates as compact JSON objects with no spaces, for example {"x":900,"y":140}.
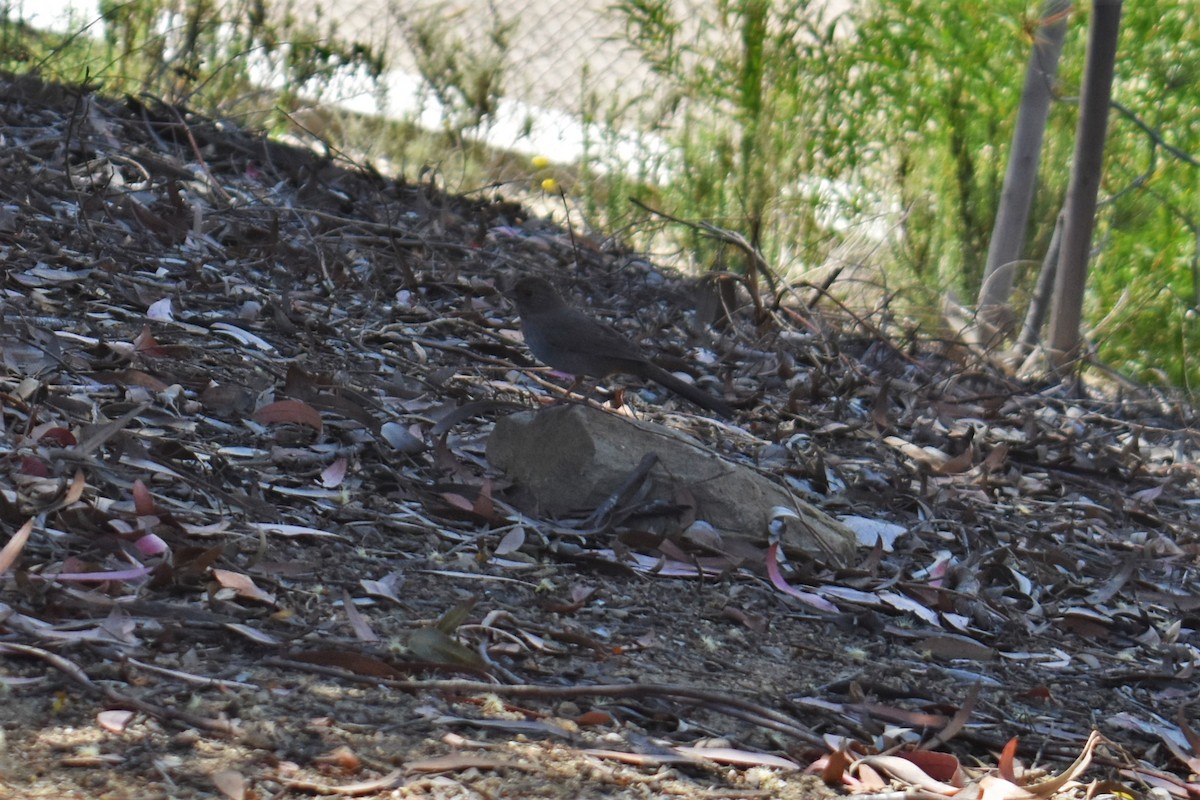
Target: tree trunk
{"x":1020,"y":179}
{"x":1035,"y":314}
{"x":1080,"y":213}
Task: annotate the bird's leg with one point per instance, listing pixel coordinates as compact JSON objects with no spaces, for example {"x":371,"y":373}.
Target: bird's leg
{"x":565,"y":397}
{"x":587,"y":396}
{"x":616,"y":400}
{"x":579,"y":380}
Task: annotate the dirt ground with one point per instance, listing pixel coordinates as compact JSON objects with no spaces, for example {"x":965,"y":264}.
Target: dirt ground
{"x":256,"y":549}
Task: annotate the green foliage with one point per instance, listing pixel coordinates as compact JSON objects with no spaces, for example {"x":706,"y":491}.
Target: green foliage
{"x":881,"y":136}
{"x":197,"y":52}
{"x":937,"y":86}
{"x":1145,"y":275}
{"x":913,"y":104}
{"x":739,"y":85}
{"x":466,"y":78}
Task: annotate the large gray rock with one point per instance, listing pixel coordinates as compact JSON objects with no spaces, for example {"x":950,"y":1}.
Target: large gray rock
{"x":571,"y":458}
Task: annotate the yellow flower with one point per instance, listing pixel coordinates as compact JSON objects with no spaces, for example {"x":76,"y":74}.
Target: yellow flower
{"x":540,"y":162}
{"x":550,"y":185}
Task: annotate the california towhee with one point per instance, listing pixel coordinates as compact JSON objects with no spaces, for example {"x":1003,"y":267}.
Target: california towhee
{"x":569,"y":341}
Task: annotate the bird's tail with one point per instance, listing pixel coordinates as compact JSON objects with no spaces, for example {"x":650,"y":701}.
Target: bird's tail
{"x":687,"y":390}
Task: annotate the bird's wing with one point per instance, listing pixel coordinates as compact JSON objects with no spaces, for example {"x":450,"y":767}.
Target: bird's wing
{"x":582,"y":334}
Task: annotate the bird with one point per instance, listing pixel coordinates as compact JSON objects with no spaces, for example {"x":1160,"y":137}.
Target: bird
{"x":568,"y":340}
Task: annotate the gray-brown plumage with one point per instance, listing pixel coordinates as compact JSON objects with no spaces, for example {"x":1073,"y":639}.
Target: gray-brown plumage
{"x":570,"y":341}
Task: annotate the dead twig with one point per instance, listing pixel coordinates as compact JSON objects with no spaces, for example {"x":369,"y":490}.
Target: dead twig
{"x":720,"y":702}
{"x":80,"y":678}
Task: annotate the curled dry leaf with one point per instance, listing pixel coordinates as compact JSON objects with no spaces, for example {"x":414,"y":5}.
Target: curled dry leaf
{"x":928,"y":456}
{"x":343,"y":758}
{"x":402,"y":438}
{"x":12,"y":548}
{"x":115,"y":721}
{"x":295,"y":412}
{"x":160,"y":311}
{"x":230,"y":783}
{"x":754,"y":622}
{"x":906,"y":772}
{"x":871,"y":531}
{"x":780,"y":583}
{"x":362,"y":628}
{"x":384,"y":587}
{"x":243,"y":337}
{"x":242,"y":586}
{"x":511,"y":541}
{"x":992,"y":787}
{"x":333,"y":475}
{"x":1052,"y":785}
{"x":151,"y":545}
{"x":944,"y":767}
{"x":143,"y":503}
{"x":1006,"y":765}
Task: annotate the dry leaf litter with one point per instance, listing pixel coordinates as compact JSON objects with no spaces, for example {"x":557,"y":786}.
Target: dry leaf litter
{"x":254,"y":547}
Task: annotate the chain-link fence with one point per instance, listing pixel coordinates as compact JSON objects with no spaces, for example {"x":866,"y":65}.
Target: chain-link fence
{"x":523,"y":76}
